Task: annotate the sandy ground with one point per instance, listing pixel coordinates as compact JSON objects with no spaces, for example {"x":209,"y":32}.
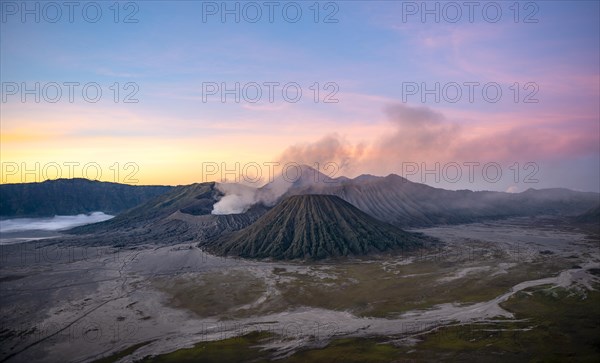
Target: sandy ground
{"x":65,"y":303}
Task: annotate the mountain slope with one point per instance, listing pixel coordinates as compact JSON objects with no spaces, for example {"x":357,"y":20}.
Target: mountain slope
{"x":314,"y":227}
{"x":591,"y":216}
{"x":72,"y":196}
{"x":398,"y":201}
{"x":182,"y":214}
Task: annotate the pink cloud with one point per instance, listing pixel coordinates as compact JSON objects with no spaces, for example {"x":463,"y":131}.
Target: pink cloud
{"x":421,"y":134}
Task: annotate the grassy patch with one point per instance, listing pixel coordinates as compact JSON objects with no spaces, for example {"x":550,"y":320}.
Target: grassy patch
{"x":553,"y":325}
{"x":213,"y":294}
{"x":245,"y":349}
{"x":560,"y":326}
{"x":121,"y":354}
{"x":238,"y":349}
{"x":354,"y":350}
{"x":367,"y":289}
{"x":373,"y":288}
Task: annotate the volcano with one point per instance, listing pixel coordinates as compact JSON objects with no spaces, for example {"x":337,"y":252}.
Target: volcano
{"x":314,"y":227}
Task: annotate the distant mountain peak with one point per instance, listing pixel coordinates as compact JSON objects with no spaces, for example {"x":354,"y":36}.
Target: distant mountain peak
{"x":366,"y":178}
{"x":397,"y":177}
{"x":308,"y":175}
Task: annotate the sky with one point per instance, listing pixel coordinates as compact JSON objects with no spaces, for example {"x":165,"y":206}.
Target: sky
{"x":498,"y":96}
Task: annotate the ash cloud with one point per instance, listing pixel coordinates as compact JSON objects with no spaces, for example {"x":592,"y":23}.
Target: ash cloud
{"x":238,"y":198}
{"x":421,"y":134}
{"x":416,"y":134}
{"x":336,"y":156}
{"x":329,"y":149}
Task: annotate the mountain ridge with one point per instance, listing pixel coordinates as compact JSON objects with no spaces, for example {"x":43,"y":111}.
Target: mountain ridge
{"x":184,"y":213}
{"x":396,"y":200}
{"x":314,"y":226}
{"x":72,"y":196}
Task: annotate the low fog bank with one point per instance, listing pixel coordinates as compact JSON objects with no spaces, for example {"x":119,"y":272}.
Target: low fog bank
{"x":56,"y":223}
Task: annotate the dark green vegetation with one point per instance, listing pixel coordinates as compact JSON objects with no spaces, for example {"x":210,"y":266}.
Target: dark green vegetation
{"x":223,"y":351}
{"x":315,"y":227}
{"x":121,"y":354}
{"x":351,"y":350}
{"x":557,"y":325}
{"x":72,"y":196}
{"x":247,"y":349}
{"x":551,"y":325}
